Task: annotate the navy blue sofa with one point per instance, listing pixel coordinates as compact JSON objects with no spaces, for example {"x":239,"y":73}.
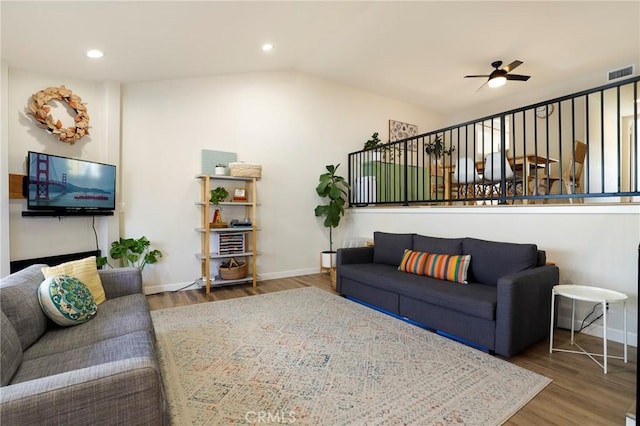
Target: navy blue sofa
{"x":504,"y":308}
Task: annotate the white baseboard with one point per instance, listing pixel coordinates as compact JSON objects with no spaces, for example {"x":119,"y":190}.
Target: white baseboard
{"x":161,"y":288}
{"x":613,"y":334}
{"x":291,"y":273}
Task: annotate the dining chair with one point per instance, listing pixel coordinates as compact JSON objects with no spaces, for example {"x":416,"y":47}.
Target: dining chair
{"x":437,"y":177}
{"x":466,"y":177}
{"x":492,"y":176}
{"x":571,"y":176}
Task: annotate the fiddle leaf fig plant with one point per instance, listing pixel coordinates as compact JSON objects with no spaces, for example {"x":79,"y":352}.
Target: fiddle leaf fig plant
{"x":132,"y":252}
{"x":334,"y":188}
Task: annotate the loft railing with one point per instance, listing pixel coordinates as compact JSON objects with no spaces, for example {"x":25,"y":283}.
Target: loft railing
{"x":577,"y":148}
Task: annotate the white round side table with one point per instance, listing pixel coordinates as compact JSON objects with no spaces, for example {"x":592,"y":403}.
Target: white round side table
{"x":594,"y":295}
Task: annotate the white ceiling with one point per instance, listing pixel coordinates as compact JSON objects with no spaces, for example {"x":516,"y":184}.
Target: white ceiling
{"x":412,"y":51}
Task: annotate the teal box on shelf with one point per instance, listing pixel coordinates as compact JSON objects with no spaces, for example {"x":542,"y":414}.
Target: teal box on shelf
{"x":210,"y":159}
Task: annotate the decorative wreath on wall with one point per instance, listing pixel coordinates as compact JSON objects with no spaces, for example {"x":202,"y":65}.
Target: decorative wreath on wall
{"x":40,"y":111}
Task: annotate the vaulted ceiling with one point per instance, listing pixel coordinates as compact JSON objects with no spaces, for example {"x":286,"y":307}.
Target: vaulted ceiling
{"x":417,"y":52}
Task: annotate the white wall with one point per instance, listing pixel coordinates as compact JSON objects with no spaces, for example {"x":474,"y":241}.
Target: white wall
{"x":291,"y":123}
{"x":46,"y":236}
{"x":4,"y":171}
{"x":592,"y":245}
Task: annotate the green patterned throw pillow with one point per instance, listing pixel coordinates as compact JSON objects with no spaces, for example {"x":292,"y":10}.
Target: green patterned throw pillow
{"x":66,"y":300}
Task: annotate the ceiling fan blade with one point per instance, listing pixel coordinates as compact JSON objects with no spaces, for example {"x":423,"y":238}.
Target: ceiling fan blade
{"x":518,"y":77}
{"x":513,"y":65}
{"x":485,"y":83}
{"x":474,"y":76}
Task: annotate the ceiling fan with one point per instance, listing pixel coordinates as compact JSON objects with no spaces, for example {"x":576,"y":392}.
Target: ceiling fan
{"x":499,"y":76}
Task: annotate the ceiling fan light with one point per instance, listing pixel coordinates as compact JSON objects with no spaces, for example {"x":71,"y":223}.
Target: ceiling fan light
{"x":497,"y":82}
{"x":95,"y":54}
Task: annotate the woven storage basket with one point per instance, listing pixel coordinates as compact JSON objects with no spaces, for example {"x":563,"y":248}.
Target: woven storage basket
{"x":245,"y":170}
{"x":233,"y":270}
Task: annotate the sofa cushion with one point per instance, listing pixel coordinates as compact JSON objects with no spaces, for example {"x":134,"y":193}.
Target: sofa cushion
{"x":473,"y":299}
{"x":542,"y":258}
{"x":448,"y":267}
{"x":85,"y":270}
{"x":66,"y":300}
{"x":477,"y":300}
{"x":11,"y":350}
{"x":437,"y":245}
{"x":133,"y":345}
{"x":19,"y":302}
{"x":115,"y":317}
{"x":493,"y":260}
{"x":388,"y":248}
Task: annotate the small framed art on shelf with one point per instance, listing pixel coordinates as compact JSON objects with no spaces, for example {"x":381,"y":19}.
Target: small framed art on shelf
{"x":239,"y":194}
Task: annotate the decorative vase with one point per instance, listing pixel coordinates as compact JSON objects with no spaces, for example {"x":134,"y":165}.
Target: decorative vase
{"x":217,"y":221}
{"x":220,"y":171}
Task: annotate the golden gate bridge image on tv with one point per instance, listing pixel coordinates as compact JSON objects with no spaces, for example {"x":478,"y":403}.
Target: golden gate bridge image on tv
{"x":54,"y":190}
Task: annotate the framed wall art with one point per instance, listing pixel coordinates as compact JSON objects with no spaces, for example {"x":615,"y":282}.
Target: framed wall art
{"x":399,"y":130}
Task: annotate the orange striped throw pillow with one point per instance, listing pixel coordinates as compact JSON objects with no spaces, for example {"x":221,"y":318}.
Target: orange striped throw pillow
{"x":447,"y":267}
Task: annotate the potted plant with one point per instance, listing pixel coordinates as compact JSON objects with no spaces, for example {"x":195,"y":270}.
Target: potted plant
{"x":387,"y":151}
{"x":373,"y":142}
{"x":334,"y":188}
{"x":437,"y":149}
{"x":132,"y":252}
{"x":215,"y":197}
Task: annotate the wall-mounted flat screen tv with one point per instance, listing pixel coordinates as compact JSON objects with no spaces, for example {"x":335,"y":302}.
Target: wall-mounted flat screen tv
{"x":68,"y":184}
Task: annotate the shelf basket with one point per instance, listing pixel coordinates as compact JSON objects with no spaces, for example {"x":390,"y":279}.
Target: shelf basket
{"x":233,"y":270}
{"x":245,"y":170}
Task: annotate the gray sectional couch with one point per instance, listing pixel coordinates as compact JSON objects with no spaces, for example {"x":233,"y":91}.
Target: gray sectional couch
{"x":504,"y":308}
{"x":101,"y":372}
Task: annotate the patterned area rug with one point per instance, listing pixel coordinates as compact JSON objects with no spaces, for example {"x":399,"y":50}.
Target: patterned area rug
{"x":308,"y":357}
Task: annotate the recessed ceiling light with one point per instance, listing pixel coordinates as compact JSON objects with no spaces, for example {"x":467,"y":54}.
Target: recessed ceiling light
{"x":267,"y":47}
{"x":95,"y":53}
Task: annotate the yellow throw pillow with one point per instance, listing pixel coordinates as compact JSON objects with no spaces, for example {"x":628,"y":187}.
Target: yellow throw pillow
{"x":85,"y":270}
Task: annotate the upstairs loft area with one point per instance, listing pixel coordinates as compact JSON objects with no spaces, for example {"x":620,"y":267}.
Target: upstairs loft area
{"x":579,"y":148}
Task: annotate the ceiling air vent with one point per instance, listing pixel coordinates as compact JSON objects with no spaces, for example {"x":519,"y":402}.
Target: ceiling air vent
{"x":620,"y":73}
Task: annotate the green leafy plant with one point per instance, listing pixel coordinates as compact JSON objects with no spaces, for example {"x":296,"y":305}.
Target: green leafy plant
{"x":334,"y":188}
{"x":132,"y":252}
{"x":388,"y":151}
{"x":373,"y":142}
{"x":217,"y":195}
{"x":437,"y":148}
